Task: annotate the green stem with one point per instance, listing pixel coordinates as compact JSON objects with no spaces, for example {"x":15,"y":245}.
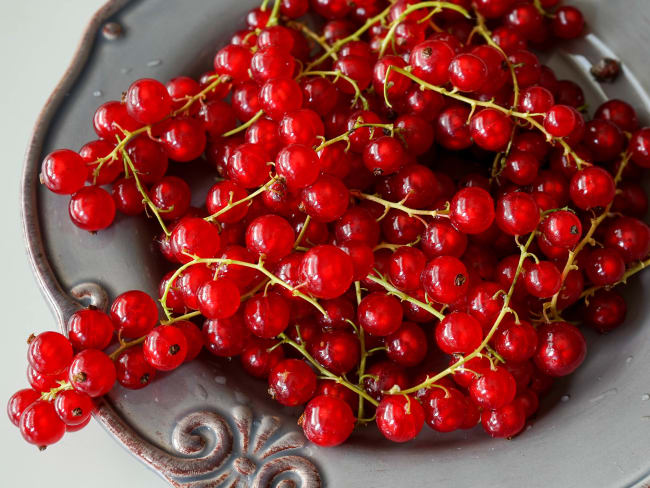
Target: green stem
{"x":261,"y":189}
{"x":404,"y":297}
{"x":126,"y":345}
{"x":358,"y":95}
{"x":400,"y":205}
{"x":49,"y":396}
{"x":302,"y":232}
{"x":244,"y":126}
{"x":641,"y":265}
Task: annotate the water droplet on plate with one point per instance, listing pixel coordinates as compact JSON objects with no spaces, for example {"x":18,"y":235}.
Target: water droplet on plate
{"x":97,"y":93}
{"x":154,"y":63}
{"x":220,"y":380}
{"x":605,"y":394}
{"x":645,"y":397}
{"x":240,"y":397}
{"x":629,"y":359}
{"x":125,"y":71}
{"x":565,"y":398}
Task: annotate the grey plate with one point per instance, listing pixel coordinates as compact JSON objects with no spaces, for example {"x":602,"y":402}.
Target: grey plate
{"x":208,"y":424}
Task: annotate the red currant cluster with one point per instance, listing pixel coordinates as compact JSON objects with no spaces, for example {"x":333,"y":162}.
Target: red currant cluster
{"x":403,"y":187}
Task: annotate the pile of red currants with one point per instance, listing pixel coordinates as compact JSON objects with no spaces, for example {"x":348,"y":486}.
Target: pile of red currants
{"x":411,"y":218}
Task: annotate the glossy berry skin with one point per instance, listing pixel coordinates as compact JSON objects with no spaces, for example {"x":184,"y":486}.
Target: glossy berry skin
{"x":127,"y":197}
{"x":430,"y":61}
{"x":517,"y":213}
{"x":226,"y":337}
{"x":467,"y":72}
{"x":233,"y":61}
{"x":639,"y":147}
{"x":458,"y":332}
{"x":407,"y":346}
{"x":92,"y":372}
{"x":247,"y":165}
{"x":405,"y":267}
{"x":196,"y":237}
{"x":620,"y":113}
{"x":266,"y":316}
{"x":171,"y":194}
{"x":604,"y":266}
{"x":92,"y":208}
{"x":223,"y":193}
{"x":561,"y":350}
{"x":562,"y":120}
{"x":270,"y":236}
{"x":49,"y":353}
{"x":183,"y":138}
{"x":326,"y":199}
{"x":383,"y":376}
{"x":111,"y":119}
{"x":218,"y":299}
{"x":327,"y":271}
{"x":472,"y":210}
{"x":543,"y":279}
{"x":327,"y":421}
{"x":568,"y":22}
{"x":149,"y":158}
{"x":484,"y":303}
{"x":40,"y":425}
{"x":515,"y":342}
{"x":19,"y":402}
{"x":384,"y":156}
{"x":292,"y":382}
{"x":379,"y":314}
{"x":444,"y":411}
{"x":298,"y":165}
{"x":400,"y":418}
{"x":494,"y":389}
{"x":64,"y":172}
{"x":90,"y":329}
{"x":604,"y":139}
{"x":132,"y":370}
{"x":445,"y":279}
{"x":562,"y":229}
{"x":491,"y":129}
{"x":134,"y":313}
{"x":45,"y":382}
{"x":260,"y":357}
{"x":193,"y":336}
{"x":630,"y":237}
{"x":357,"y":224}
{"x":109,"y":171}
{"x":504,"y":422}
{"x":147,"y":101}
{"x":441,"y":238}
{"x":592,"y":187}
{"x":280,"y":96}
{"x":606,"y":310}
{"x":165,"y":348}
{"x":73,"y":407}
{"x":337,"y":350}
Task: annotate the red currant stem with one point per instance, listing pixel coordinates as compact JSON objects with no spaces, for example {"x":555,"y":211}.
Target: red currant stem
{"x":231,"y":204}
{"x":631,"y":271}
{"x":245,"y":125}
{"x":528,"y":117}
{"x":126,"y":345}
{"x":505,"y":309}
{"x":587,"y":239}
{"x":258,"y":266}
{"x":346,"y":135}
{"x":395,"y":247}
{"x":312,"y":35}
{"x":49,"y":396}
{"x":495,"y":354}
{"x":275,"y":14}
{"x":128,"y":136}
{"x":325,"y":372}
{"x":302,"y":232}
{"x":336,"y":46}
{"x":145,"y":197}
{"x":264,"y":5}
{"x":400,"y":205}
{"x":361,"y":420}
{"x":437,"y":6}
{"x":364,"y":354}
{"x":337,"y":74}
{"x":482,"y":29}
{"x":540,"y":9}
{"x":375,"y":349}
{"x":186,"y":316}
{"x":404,"y":297}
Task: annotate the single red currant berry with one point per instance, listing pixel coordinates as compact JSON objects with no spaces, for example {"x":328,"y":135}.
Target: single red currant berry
{"x":399,"y":417}
{"x":430,"y":61}
{"x":64,"y":172}
{"x":358,"y":68}
{"x":467,"y":72}
{"x":491,"y":129}
{"x":92,"y":372}
{"x":504,"y":422}
{"x":45,"y":382}
{"x":49,"y":353}
{"x":517,"y":213}
{"x":484,"y":302}
{"x":384,"y":156}
{"x":40,"y":425}
{"x":180,"y":89}
{"x":183,"y":138}
{"x":472,"y":210}
{"x":528,"y":400}
{"x":605,"y":311}
{"x":379,"y":314}
{"x":90,"y":329}
{"x":492,"y":9}
{"x":357,"y":224}
{"x":494,"y":389}
{"x":327,"y":421}
{"x":292,"y":382}
{"x":193,"y":336}
{"x":562,"y":229}
{"x":326,"y":199}
{"x":127,"y":197}
{"x":247,"y":165}
{"x":515,"y":342}
{"x":218,"y":299}
{"x":405,"y":267}
{"x":111,"y":119}
{"x":459,"y":332}
{"x":384,"y":376}
{"x":261,"y":356}
{"x":134,"y":313}
{"x":298,"y":165}
{"x":147,"y":101}
{"x":445,"y":279}
{"x":270,"y":236}
{"x":543,"y":279}
{"x":444,"y":410}
{"x":639,"y":147}
{"x":441,"y":238}
{"x":165,"y":348}
{"x":562,"y":348}
{"x":226,"y":337}
{"x":604,"y":267}
{"x":630,"y":237}
{"x":407,"y":346}
{"x":337,"y":350}
{"x":266,"y":316}
{"x":92,"y":208}
{"x":132,"y":370}
{"x":280,"y":96}
{"x":620,"y":113}
{"x":327,"y":271}
{"x":73,"y":407}
{"x":19,"y":402}
{"x":562,"y":120}
{"x":568,"y":22}
{"x":193,"y":236}
{"x":172,"y":195}
{"x":220,"y":196}
{"x":233,"y":61}
{"x":604,"y":139}
{"x":149,"y":158}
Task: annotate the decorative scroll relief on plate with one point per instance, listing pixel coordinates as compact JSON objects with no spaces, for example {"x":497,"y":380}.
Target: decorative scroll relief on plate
{"x":212,"y":451}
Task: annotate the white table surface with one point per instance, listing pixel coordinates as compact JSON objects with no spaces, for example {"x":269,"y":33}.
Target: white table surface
{"x":37,"y":40}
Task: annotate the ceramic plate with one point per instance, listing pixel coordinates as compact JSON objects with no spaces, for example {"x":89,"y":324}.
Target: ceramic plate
{"x":208,"y":424}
